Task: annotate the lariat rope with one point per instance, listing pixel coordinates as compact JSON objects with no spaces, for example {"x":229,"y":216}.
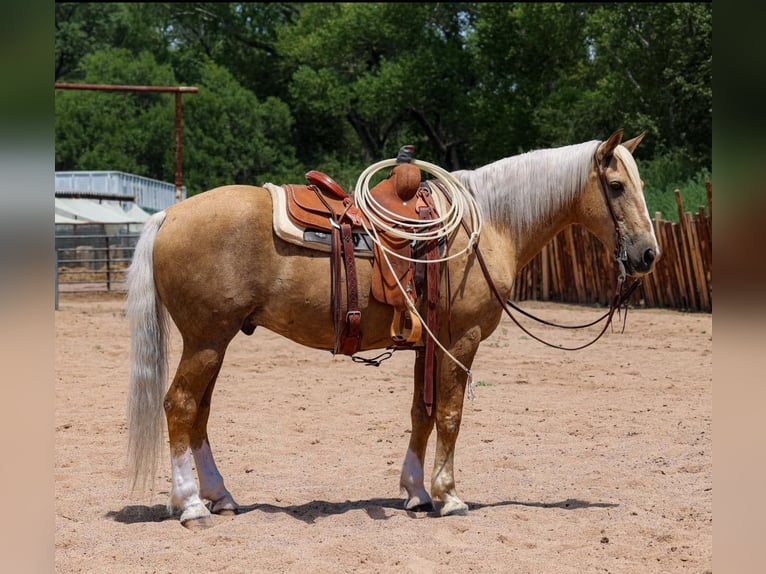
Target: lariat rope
{"x":441,"y":227}
{"x":425,"y":229}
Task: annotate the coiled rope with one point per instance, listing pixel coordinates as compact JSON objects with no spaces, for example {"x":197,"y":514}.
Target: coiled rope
{"x":462,"y":205}
{"x":443,"y":226}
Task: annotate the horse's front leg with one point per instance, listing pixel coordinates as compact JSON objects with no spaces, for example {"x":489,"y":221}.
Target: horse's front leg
{"x":411,"y":480}
{"x":196,"y":372}
{"x":451,"y":380}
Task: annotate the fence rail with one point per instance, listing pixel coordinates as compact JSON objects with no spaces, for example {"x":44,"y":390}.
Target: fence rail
{"x":150,"y":194}
{"x":573,"y":268}
{"x":93,"y":263}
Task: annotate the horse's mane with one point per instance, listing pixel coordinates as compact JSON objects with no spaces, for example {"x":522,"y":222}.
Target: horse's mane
{"x":520,"y":190}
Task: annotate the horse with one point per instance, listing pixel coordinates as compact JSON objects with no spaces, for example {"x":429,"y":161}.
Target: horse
{"x":213,"y":264}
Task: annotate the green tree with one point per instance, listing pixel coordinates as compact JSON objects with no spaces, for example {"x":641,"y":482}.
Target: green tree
{"x":530,"y":59}
{"x":238,"y":36}
{"x":84,"y":28}
{"x":560,"y":73}
{"x":232,"y":137}
{"x":130,"y":132}
{"x":393,"y":73}
{"x":229,"y":135}
{"x":655,"y":63}
{"x":340,"y":85}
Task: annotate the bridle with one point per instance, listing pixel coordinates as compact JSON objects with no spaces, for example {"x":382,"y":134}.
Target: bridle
{"x":622,"y":291}
{"x":620,"y":249}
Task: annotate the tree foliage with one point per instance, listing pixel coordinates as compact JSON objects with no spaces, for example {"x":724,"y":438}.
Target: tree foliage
{"x":287,"y":87}
{"x":233,"y":137}
{"x":124,"y":131}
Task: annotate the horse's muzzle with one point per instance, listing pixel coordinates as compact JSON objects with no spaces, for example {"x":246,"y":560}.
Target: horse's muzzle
{"x":643,"y":264}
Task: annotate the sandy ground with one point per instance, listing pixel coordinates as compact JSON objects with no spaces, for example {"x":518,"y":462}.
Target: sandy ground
{"x":598,"y":460}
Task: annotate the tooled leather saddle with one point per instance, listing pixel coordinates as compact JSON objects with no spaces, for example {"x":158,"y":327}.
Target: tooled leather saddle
{"x":323,"y":205}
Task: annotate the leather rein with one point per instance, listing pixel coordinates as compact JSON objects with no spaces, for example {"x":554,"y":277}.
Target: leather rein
{"x":619,"y":300}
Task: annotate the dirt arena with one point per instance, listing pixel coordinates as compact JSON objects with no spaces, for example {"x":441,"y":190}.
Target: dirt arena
{"x":598,"y":460}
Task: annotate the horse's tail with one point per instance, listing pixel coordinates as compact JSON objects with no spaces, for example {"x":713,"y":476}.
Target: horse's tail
{"x":148,"y":367}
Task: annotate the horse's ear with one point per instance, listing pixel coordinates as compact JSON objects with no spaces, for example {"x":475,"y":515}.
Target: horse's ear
{"x":632,"y":144}
{"x":606,"y":149}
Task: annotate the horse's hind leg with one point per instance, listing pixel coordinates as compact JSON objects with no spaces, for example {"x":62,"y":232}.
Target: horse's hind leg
{"x":211,"y":485}
{"x":411,"y":479}
{"x":449,"y":411}
{"x":187,"y":405}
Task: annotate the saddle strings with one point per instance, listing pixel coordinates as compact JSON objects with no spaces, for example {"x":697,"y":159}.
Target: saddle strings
{"x":461,"y":203}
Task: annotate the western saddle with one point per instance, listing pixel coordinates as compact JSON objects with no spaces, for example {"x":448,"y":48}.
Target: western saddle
{"x":396,"y":279}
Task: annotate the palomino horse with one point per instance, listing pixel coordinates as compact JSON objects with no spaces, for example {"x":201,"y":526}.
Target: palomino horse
{"x":214,"y":263}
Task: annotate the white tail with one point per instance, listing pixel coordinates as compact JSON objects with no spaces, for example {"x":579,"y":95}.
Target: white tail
{"x":148,"y":366}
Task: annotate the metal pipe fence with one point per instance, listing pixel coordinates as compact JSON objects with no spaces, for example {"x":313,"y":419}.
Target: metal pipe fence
{"x":93,"y":263}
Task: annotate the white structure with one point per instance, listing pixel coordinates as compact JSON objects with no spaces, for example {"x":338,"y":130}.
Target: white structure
{"x":150,"y":194}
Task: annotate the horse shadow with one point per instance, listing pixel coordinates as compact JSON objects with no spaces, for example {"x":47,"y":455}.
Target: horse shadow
{"x":375,"y":508}
{"x":138,"y":513}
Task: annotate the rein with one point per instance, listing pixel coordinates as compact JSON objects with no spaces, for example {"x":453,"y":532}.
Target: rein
{"x":621,"y":296}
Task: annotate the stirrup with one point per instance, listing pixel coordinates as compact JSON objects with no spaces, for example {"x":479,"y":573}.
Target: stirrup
{"x":406,"y":328}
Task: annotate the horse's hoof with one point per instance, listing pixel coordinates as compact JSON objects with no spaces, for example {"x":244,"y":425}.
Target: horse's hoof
{"x":201,"y":523}
{"x":418,"y":499}
{"x":455,"y":507}
{"x":419,"y":502}
{"x":415,"y":506}
{"x":196,"y":516}
{"x":225,"y":507}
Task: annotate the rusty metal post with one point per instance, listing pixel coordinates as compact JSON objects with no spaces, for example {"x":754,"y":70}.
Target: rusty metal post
{"x":177,"y":90}
{"x":179,"y":137}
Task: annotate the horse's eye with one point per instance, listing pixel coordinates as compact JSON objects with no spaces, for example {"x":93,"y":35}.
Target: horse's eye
{"x":616,"y":187}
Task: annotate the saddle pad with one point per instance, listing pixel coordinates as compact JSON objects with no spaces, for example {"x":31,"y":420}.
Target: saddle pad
{"x":319,"y":240}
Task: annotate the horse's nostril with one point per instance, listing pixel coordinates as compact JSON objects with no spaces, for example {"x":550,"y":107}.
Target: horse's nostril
{"x":649,"y":256}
